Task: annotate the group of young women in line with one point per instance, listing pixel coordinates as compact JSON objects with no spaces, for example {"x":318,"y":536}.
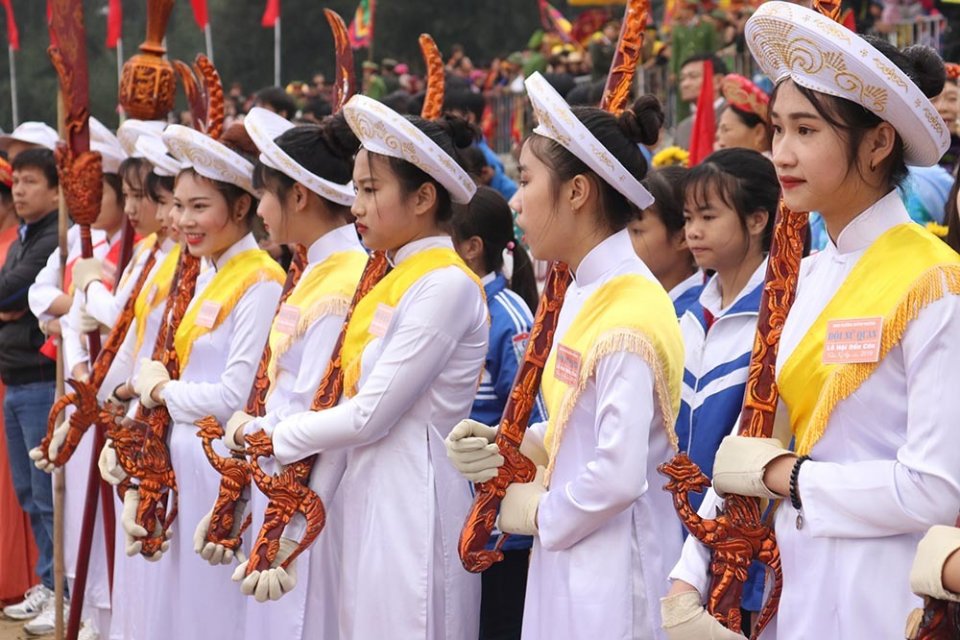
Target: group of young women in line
{"x":864,"y":449}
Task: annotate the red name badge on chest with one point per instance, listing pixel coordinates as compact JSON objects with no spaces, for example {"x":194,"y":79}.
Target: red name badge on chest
{"x":207,"y":317}
{"x":853,"y":341}
{"x":567,"y":370}
{"x":381,"y":320}
{"x":288,"y":318}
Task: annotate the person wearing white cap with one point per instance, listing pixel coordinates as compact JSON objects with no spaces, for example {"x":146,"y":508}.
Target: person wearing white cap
{"x":29,"y":135}
{"x":136,"y":582}
{"x":304,"y":175}
{"x":604,"y":537}
{"x":218,"y":344}
{"x":412,"y":356}
{"x":866,"y":349}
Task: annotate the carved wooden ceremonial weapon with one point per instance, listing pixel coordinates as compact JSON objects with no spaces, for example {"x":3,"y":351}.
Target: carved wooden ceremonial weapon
{"x":288,"y":491}
{"x":81,"y":182}
{"x":517,"y":467}
{"x":147,"y":83}
{"x":235,"y":470}
{"x":345,"y":85}
{"x":436,"y":81}
{"x":154,"y":469}
{"x":739,"y":534}
{"x":204,"y":92}
{"x":84,"y":395}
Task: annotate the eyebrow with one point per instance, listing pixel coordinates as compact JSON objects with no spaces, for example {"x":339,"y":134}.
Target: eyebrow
{"x":802,"y":115}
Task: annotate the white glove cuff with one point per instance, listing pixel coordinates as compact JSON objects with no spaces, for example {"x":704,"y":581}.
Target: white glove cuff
{"x":675,"y":610}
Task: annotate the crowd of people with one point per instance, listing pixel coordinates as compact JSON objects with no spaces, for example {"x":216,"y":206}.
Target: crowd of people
{"x":354,"y":295}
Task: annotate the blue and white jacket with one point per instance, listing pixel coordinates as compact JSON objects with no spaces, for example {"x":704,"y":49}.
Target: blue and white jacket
{"x":715,"y":368}
{"x":510,"y":324}
{"x":687,"y":293}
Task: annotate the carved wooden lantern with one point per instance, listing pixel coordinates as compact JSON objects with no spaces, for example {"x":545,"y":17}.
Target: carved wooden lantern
{"x":148,"y":85}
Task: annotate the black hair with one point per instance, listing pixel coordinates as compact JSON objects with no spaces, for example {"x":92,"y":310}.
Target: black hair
{"x":325,"y":150}
{"x":38,"y":158}
{"x":400,"y":101}
{"x":473,"y":161}
{"x":666,"y":187}
{"x":465,"y":102}
{"x":278,"y":100}
{"x":748,"y":118}
{"x":719,"y":66}
{"x":488,"y":216}
{"x":620,"y":135}
{"x":852,"y":121}
{"x":157,"y":183}
{"x":451,"y":134}
{"x":318,"y":108}
{"x":744,"y":180}
{"x":116,"y":183}
{"x":134,"y":172}
{"x":6,"y":194}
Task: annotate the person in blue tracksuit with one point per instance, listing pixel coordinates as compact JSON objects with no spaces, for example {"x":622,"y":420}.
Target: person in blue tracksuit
{"x":658,"y":238}
{"x":482,"y":232}
{"x":730,"y":201}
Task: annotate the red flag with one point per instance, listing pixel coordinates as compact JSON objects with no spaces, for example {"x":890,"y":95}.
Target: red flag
{"x":200,"y":13}
{"x":271,"y":14}
{"x":704,"y":123}
{"x":114,"y":23}
{"x":13,"y":35}
{"x":554,"y":22}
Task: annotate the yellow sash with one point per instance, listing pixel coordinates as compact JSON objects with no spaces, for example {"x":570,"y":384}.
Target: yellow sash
{"x":903,"y":271}
{"x":139,"y":251}
{"x":326,"y":289}
{"x":231,"y":281}
{"x":388,"y":293}
{"x":627,"y":314}
{"x":155,"y":292}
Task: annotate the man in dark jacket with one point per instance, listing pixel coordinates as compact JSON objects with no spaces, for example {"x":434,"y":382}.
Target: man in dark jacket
{"x":30,"y":377}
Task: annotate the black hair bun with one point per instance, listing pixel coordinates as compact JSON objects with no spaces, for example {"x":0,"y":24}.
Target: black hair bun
{"x":642,"y":121}
{"x":926,"y":69}
{"x":339,"y":137}
{"x":462,"y":133}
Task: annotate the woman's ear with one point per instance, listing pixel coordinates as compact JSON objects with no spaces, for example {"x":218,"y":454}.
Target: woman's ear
{"x":425,"y":198}
{"x":878,"y":145}
{"x":757,"y":222}
{"x":300,"y":196}
{"x":580,"y":190}
{"x":241,"y":206}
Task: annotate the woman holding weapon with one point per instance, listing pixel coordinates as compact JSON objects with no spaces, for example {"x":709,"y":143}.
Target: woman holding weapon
{"x":871,"y":463}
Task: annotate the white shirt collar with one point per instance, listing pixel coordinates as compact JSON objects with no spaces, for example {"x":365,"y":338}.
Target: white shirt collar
{"x":862,"y":231}
{"x":693,"y":281}
{"x":343,"y":238}
{"x":167,"y":245}
{"x":245,"y":243}
{"x":412,"y":248}
{"x":487,"y":279}
{"x":611,"y":252}
{"x":712,"y":300}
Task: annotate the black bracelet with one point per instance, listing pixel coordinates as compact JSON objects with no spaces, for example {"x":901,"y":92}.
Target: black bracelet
{"x":794,"y":477}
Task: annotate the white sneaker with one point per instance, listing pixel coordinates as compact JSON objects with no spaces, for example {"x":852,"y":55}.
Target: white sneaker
{"x":33,"y":602}
{"x":87,"y":631}
{"x":46,"y":622}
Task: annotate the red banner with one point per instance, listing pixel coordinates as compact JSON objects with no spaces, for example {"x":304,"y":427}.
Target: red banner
{"x":200,"y":13}
{"x":271,"y":14}
{"x":114,"y":23}
{"x":13,"y":35}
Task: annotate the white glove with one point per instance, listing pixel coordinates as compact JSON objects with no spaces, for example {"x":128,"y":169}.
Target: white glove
{"x":926,"y":575}
{"x":234,"y":424}
{"x":217,"y":553}
{"x":132,"y":530}
{"x":85,"y":271}
{"x":473,"y":452}
{"x":45,"y":462}
{"x":110,"y":469}
{"x":151,"y":374}
{"x":739,"y":465}
{"x":518,"y":510}
{"x":87,"y":323}
{"x":273,"y":583}
{"x":684,"y":618}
